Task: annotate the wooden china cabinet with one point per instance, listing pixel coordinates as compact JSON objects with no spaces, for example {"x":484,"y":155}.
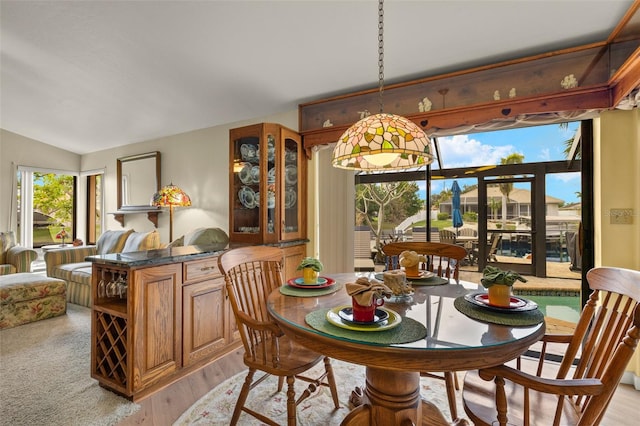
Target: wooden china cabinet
{"x":267,"y":193}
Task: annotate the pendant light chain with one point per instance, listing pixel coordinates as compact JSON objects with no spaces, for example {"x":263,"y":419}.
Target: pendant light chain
{"x":380,"y":53}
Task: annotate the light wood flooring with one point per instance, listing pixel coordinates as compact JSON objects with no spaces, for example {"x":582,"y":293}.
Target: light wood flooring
{"x":164,"y":407}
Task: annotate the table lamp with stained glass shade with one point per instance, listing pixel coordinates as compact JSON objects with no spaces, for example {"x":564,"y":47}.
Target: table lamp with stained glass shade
{"x":170,"y":196}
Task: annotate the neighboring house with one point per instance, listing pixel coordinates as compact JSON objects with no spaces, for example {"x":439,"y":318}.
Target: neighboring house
{"x":518,"y":204}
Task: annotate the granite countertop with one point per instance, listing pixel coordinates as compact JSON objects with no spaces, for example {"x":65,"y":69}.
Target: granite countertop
{"x":156,"y":257}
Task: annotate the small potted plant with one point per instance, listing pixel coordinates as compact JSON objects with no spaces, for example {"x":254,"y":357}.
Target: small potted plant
{"x":498,"y":284}
{"x":310,"y":268}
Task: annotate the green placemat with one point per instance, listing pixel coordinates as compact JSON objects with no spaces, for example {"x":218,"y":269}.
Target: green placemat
{"x":420,"y":281}
{"x":515,"y":319}
{"x":408,"y":331}
{"x":287,"y":290}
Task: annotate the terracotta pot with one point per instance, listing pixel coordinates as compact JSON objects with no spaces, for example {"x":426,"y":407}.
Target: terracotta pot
{"x":309,"y":276}
{"x":500,"y":295}
{"x":411,"y":271}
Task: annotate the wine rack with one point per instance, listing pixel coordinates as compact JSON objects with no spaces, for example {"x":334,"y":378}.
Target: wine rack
{"x":111,"y":349}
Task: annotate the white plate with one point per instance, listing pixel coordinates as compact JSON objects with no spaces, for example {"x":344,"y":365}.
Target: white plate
{"x":290,"y":198}
{"x":291,"y":175}
{"x":245,"y":174}
{"x":394,"y":320}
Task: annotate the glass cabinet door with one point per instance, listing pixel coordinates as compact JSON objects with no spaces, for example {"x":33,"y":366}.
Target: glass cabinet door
{"x":244,"y":196}
{"x":292,"y":181}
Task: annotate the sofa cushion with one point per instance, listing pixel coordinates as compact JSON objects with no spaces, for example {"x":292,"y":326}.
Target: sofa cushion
{"x":112,"y":241}
{"x":26,"y":286}
{"x":7,"y":269}
{"x":141,"y":241}
{"x":78,"y":272}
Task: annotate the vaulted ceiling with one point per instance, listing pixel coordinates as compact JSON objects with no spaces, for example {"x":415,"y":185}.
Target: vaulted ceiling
{"x":91,"y":75}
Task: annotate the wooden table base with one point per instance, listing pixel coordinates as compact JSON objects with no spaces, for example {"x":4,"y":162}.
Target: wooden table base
{"x":399,"y":404}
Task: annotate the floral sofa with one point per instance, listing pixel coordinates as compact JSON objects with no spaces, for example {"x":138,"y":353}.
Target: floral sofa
{"x":14,"y":258}
{"x":69,"y":264}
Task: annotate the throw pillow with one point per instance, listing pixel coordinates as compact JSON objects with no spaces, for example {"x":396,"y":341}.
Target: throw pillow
{"x":7,"y":241}
{"x":207,"y":237}
{"x":112,"y":241}
{"x":142,"y":241}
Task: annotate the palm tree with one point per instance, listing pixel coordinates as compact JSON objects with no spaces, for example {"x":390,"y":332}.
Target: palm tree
{"x":506,"y":188}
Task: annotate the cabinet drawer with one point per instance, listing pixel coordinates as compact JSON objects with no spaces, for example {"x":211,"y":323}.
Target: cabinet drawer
{"x":198,"y":270}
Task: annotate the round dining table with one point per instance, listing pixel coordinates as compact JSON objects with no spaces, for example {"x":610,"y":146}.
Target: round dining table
{"x":453,"y":342}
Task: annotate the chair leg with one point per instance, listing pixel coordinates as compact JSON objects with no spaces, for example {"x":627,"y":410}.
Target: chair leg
{"x":280,"y":383}
{"x":451,"y":385}
{"x":242,"y":398}
{"x":291,"y":401}
{"x":332,"y":382}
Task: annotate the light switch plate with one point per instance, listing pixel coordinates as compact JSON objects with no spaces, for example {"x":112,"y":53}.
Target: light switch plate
{"x":621,"y":216}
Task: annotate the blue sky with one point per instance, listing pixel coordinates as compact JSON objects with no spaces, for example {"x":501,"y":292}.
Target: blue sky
{"x":540,"y":143}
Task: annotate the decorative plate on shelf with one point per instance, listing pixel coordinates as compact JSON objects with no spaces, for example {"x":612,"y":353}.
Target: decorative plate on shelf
{"x":321,"y":282}
{"x":394,"y":320}
{"x":290,"y":198}
{"x":245,"y":174}
{"x":247,"y":197}
{"x":518,"y":304}
{"x":291,"y":175}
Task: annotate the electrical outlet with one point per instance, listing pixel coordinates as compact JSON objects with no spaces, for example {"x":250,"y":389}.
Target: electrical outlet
{"x":621,"y":216}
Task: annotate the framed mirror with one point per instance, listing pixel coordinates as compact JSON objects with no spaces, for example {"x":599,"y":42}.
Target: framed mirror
{"x":138,"y":180}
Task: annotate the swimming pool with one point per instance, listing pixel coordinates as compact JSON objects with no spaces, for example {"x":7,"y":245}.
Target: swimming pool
{"x":562,"y":307}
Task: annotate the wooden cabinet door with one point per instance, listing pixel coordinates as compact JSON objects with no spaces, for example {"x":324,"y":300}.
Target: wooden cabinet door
{"x":157,"y":319}
{"x":293,"y":255}
{"x":204,"y":308}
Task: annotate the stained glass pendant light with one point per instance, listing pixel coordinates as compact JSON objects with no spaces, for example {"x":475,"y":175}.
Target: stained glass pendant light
{"x":382,"y":141}
{"x":170,"y":196}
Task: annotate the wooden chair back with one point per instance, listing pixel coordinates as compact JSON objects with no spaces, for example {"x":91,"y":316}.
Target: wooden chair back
{"x":442,"y":259}
{"x":592,"y":366}
{"x":447,"y":236}
{"x":492,"y":249}
{"x":468,"y":232}
{"x":251,"y":273}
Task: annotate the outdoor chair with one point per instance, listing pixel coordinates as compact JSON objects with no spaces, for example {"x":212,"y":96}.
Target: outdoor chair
{"x":250,"y":274}
{"x":447,"y":236}
{"x":492,"y":247}
{"x":607,"y":334}
{"x":443,"y":260}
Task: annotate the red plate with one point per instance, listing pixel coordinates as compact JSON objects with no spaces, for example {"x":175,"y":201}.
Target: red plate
{"x":322,"y":283}
{"x":518,"y":304}
{"x":514,"y":302}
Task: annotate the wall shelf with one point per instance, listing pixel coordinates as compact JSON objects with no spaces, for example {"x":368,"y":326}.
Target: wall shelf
{"x":152,"y":215}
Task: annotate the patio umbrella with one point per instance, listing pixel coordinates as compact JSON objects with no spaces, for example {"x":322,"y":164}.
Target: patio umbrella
{"x":455,"y":204}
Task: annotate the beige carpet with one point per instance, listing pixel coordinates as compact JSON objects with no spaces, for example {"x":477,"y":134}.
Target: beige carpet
{"x":216,"y":407}
{"x":45,"y":375}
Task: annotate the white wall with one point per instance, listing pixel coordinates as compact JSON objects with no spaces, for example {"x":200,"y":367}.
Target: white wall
{"x":16,"y":150}
{"x":197,"y":161}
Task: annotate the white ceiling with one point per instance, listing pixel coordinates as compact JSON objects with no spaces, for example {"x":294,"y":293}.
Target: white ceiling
{"x":91,"y":75}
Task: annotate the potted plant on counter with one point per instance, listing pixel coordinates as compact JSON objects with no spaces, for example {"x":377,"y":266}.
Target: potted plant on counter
{"x":310,"y":268}
{"x":498,"y":284}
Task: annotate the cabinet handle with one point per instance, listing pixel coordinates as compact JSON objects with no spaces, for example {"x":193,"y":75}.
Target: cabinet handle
{"x":206,"y":268}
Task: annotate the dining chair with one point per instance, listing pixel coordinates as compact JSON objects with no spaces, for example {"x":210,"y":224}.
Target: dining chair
{"x":444,"y":260}
{"x":592,"y":366}
{"x":250,"y":274}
